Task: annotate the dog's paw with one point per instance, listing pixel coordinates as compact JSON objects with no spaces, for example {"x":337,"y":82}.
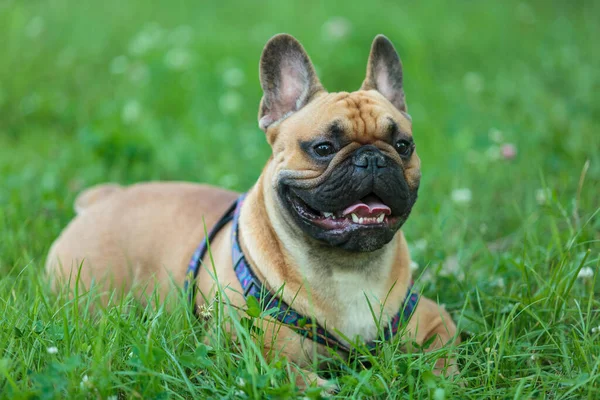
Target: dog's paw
{"x":446,"y":367}
{"x":306,"y":379}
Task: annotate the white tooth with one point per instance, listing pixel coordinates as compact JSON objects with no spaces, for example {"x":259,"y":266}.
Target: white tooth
{"x":380,"y":218}
{"x":361,"y":220}
{"x":328,"y":214}
{"x":354,"y":218}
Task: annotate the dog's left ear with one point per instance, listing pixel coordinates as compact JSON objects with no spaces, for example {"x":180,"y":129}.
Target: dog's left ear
{"x":384,"y":72}
{"x":287,"y":77}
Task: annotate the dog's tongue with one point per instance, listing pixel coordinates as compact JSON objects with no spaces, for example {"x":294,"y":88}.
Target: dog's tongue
{"x":369,"y":206}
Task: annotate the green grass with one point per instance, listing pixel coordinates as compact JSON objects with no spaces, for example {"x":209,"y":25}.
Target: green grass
{"x":132,"y":91}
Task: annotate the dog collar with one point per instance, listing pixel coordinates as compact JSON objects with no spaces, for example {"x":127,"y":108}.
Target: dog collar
{"x":270,"y":303}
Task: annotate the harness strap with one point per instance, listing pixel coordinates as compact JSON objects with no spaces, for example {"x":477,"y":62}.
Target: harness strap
{"x":189,"y":285}
{"x":273,"y":305}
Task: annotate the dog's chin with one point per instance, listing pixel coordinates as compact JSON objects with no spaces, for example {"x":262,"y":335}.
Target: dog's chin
{"x":364,"y":230}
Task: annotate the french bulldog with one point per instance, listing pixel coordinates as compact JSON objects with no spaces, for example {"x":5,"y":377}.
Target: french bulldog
{"x":321,"y":226}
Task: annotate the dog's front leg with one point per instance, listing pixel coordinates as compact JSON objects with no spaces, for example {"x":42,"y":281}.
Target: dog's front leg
{"x":287,"y":344}
{"x":432,"y":323}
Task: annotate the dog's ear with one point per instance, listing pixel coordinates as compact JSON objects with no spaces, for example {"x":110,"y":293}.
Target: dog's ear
{"x":384,"y":72}
{"x":287,"y":77}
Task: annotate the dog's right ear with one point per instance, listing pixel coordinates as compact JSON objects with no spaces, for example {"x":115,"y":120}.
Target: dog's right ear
{"x":288,"y":79}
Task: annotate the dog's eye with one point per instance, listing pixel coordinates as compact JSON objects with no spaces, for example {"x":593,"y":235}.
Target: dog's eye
{"x":324,"y":149}
{"x":404,"y":148}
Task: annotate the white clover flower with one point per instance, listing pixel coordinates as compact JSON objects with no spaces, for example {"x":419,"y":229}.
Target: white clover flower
{"x":585,"y":273}
{"x":541,"y":196}
{"x":336,"y":28}
{"x":496,"y":135}
{"x":439,"y":394}
{"x":493,"y":153}
{"x":131,"y":111}
{"x":35,"y":27}
{"x":230,"y":102}
{"x":233,"y":77}
{"x":483,"y":228}
{"x":52,"y":350}
{"x":229,"y":180}
{"x":473,"y":82}
{"x":140,"y":45}
{"x":462,"y":196}
{"x":146,"y":40}
{"x":533,"y":357}
{"x":450,"y":266}
{"x":596,"y":329}
{"x":178,"y":58}
{"x":421,"y":244}
{"x":499,"y":283}
{"x":119,"y":65}
{"x":85,"y":382}
{"x":206,"y":312}
{"x":413,"y":265}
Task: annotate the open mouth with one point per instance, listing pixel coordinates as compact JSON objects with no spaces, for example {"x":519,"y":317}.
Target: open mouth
{"x":369,"y":211}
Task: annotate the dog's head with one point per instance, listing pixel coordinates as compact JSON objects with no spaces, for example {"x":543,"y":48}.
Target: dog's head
{"x":344,"y":165}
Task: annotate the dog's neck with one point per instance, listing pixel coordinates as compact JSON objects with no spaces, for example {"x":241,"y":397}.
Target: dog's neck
{"x":320,"y":280}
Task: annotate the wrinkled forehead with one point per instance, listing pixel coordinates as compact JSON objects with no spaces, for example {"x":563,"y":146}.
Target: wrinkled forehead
{"x":362,"y":116}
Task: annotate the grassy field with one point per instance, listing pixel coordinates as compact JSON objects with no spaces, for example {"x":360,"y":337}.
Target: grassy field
{"x":505,"y":100}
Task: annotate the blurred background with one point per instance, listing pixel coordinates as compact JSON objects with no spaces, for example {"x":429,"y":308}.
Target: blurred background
{"x":505,"y":102}
{"x":504,"y":98}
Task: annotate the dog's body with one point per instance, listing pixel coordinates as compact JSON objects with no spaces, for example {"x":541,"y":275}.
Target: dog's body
{"x":332,"y":267}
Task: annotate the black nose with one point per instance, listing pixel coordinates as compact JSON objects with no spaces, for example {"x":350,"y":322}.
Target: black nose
{"x":369,"y":157}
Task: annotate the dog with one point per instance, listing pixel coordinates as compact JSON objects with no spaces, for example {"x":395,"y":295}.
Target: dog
{"x":319,"y":231}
